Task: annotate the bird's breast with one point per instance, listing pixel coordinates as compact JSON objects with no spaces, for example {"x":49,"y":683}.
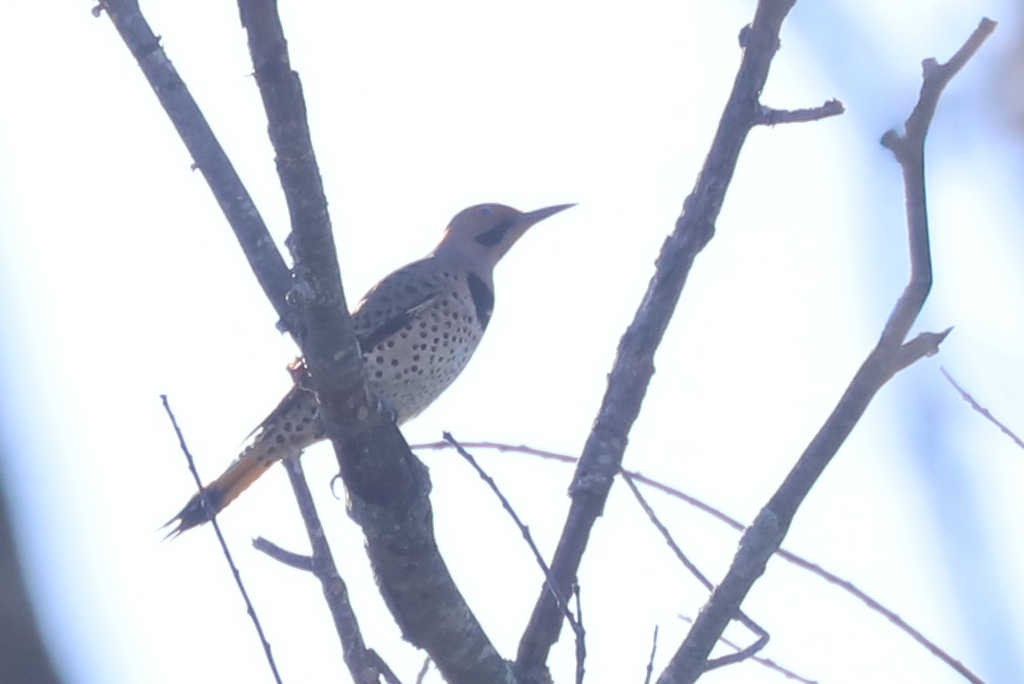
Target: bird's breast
{"x":415,"y":363}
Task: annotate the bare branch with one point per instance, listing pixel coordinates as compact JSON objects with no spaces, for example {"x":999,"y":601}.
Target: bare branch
{"x":761,"y":660}
{"x":362,"y":663}
{"x":634,"y":366}
{"x":935,"y":78}
{"x":269,"y":267}
{"x":909,"y":152}
{"x":299,"y":561}
{"x":965,"y":395}
{"x":580,"y":630}
{"x":325,"y":335}
{"x":889,"y":356}
{"x":801,"y":562}
{"x":423,"y":671}
{"x":890,"y":615}
{"x":759,"y":632}
{"x":770,"y":117}
{"x":388,"y":488}
{"x":650,"y":661}
{"x":666,"y":535}
{"x":209,"y":157}
{"x":577,"y":626}
{"x":565,"y":458}
{"x":223,"y":544}
{"x":739,"y":656}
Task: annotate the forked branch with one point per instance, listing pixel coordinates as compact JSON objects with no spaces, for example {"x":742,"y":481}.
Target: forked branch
{"x":388,"y":487}
{"x":634,"y":365}
{"x":890,"y":355}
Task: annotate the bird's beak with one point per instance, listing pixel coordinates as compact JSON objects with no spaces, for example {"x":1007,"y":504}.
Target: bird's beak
{"x":522,"y":223}
{"x":537,"y":215}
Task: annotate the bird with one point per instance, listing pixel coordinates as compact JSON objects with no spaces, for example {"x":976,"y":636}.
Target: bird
{"x":417,"y":329}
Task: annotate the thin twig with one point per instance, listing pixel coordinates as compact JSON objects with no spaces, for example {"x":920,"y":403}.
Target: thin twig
{"x":666,"y":535}
{"x":581,"y":644}
{"x":364,"y":664}
{"x":577,"y":626}
{"x":524,"y":530}
{"x":223,"y":544}
{"x":801,"y":562}
{"x":746,"y":653}
{"x":769,"y":116}
{"x":759,"y":632}
{"x":761,"y":660}
{"x":565,"y":458}
{"x":650,"y":660}
{"x":299,"y":561}
{"x":965,"y":395}
{"x":361,"y":665}
{"x":422,"y":675}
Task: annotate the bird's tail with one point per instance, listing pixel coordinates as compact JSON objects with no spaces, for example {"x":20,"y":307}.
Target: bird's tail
{"x":245,"y":470}
{"x":290,"y":427}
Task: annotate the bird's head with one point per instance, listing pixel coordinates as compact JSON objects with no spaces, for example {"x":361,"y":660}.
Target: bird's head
{"x":481,"y":234}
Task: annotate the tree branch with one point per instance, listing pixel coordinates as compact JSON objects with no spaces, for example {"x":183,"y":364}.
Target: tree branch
{"x":362,"y":664}
{"x":634,"y":366}
{"x":909,"y":152}
{"x":209,"y":157}
{"x":770,"y":116}
{"x":299,"y":561}
{"x":799,"y":561}
{"x":576,"y":625}
{"x":760,"y":660}
{"x":388,"y":487}
{"x":649,"y":672}
{"x":748,"y":622}
{"x":889,"y":356}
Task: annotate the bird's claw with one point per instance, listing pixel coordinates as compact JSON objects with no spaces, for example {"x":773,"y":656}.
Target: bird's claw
{"x":387,"y":409}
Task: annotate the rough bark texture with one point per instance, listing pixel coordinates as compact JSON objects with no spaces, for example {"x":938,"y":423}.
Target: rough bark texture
{"x":634,"y":362}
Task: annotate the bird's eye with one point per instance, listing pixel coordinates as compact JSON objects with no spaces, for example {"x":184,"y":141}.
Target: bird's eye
{"x":489,"y":238}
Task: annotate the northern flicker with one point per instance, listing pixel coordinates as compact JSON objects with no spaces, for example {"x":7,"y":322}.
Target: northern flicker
{"x":417,"y":329}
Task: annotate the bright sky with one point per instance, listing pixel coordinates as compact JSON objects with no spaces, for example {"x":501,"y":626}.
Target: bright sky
{"x":122,"y":282}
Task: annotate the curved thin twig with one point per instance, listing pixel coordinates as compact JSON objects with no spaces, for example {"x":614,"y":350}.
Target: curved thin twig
{"x":524,"y":530}
{"x":801,"y":562}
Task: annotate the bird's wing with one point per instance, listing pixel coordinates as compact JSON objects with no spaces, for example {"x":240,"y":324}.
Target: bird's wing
{"x":393,"y":303}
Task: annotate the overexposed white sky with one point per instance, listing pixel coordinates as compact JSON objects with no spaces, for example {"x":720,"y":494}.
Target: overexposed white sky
{"x":121,"y":281}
